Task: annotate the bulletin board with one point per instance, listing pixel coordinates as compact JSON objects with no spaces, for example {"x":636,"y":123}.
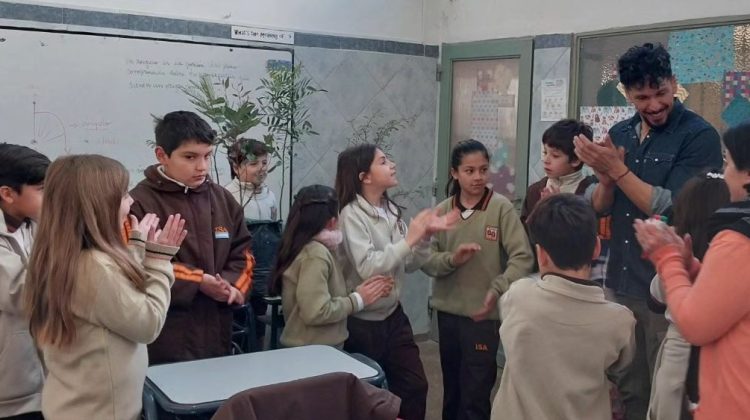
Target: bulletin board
{"x":710,"y":60}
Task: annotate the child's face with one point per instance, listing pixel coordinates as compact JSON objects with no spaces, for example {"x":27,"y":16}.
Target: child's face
{"x":557,"y":163}
{"x":472,"y":173}
{"x":735,"y":179}
{"x":189,"y":163}
{"x":26,"y":204}
{"x":382,"y":172}
{"x":253,"y":171}
{"x":125,"y":204}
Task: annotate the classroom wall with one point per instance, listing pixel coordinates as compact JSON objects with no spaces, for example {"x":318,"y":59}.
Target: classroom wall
{"x":399,"y":20}
{"x":472,"y":20}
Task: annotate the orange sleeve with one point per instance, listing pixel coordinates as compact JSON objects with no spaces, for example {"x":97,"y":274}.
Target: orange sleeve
{"x":708,"y":309}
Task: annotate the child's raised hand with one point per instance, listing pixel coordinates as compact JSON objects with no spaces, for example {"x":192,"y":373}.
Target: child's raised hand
{"x":418,"y":227}
{"x":551,"y":190}
{"x":438,"y":223}
{"x":464,"y":253}
{"x":147,"y":225}
{"x":375,"y":288}
{"x":172,"y":234}
{"x":489,"y":305}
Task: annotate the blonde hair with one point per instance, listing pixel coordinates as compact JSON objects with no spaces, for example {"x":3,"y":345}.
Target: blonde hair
{"x":80,"y":212}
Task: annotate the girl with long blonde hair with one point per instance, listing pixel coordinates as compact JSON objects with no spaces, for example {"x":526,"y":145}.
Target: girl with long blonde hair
{"x":94,"y":301}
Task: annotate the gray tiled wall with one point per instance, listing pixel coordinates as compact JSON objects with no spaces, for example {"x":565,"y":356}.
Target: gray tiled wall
{"x":359,"y":84}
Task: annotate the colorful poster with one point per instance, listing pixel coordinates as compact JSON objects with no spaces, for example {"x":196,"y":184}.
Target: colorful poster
{"x":554,"y":94}
{"x":602,"y":118}
{"x":702,"y":55}
{"x":736,"y":83}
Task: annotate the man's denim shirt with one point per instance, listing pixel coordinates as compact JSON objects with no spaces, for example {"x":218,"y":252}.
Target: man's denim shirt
{"x":667,"y":158}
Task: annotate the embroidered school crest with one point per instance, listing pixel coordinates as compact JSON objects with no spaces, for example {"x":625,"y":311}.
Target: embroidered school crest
{"x":220,"y":232}
{"x":491,"y":233}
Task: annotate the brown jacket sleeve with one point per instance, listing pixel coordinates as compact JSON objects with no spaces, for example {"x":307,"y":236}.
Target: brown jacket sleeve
{"x":533,"y":195}
{"x":187,"y":277}
{"x":238,"y":269}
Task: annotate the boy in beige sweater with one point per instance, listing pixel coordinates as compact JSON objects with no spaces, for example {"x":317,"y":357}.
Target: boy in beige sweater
{"x":561,"y":336}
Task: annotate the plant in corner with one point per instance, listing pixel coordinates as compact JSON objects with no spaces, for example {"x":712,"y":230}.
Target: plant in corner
{"x":231,"y":111}
{"x":285,"y":115}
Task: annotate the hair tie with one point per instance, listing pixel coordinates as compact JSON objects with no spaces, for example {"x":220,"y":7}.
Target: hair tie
{"x":714,"y":175}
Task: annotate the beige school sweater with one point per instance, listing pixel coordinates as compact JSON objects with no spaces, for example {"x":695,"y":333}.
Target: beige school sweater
{"x":374,"y":244}
{"x":504,"y":258}
{"x":100,"y":375}
{"x":561,"y":338}
{"x":315,"y":300}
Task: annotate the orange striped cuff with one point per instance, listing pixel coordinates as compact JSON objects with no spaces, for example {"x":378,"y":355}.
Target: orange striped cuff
{"x":181,"y":272}
{"x":125,"y":231}
{"x":605,"y":227}
{"x":245,"y":281}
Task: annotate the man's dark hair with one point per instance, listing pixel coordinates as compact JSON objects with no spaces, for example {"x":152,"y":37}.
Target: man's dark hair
{"x":644,"y":65}
{"x":565,"y":226}
{"x":179,"y":127}
{"x":20,"y":165}
{"x":560,"y":136}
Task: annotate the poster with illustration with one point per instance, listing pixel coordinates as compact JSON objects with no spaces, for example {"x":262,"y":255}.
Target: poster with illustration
{"x":602,"y":118}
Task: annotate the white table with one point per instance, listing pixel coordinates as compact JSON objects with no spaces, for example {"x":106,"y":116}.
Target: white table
{"x":203,"y":385}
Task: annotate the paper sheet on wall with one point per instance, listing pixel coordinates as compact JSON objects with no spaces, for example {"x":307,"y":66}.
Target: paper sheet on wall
{"x":554,"y":94}
{"x":602,"y":118}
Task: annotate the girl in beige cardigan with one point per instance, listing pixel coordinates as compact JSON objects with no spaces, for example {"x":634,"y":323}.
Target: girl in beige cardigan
{"x":94,"y":302}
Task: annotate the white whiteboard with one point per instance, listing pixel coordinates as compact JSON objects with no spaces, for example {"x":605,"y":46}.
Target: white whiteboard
{"x":70,"y":93}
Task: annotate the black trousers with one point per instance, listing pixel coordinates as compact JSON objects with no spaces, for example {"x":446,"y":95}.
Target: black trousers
{"x":390,"y":342}
{"x":26,"y":416}
{"x":468,"y":351}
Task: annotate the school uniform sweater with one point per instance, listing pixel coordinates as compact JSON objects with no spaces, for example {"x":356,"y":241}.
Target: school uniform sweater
{"x":218,"y":241}
{"x":315,"y":300}
{"x":100,"y":375}
{"x":574,"y":183}
{"x":22,"y":374}
{"x":374,"y":244}
{"x":257,"y":203}
{"x":714,"y":313}
{"x":561,"y":339}
{"x":504,"y":258}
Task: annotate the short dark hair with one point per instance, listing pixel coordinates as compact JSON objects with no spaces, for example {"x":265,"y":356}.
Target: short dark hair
{"x":20,"y":165}
{"x":644,"y":65}
{"x":565,"y":226}
{"x":560,"y":136}
{"x":737,"y":142}
{"x":242,"y":149}
{"x":178,"y":127}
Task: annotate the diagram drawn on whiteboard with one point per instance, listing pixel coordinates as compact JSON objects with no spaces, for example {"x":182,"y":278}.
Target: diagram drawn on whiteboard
{"x":49,"y":128}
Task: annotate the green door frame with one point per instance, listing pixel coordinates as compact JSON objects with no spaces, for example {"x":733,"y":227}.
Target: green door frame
{"x":521,"y":48}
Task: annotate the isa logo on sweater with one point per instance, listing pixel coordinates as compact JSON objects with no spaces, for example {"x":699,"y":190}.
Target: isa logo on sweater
{"x":220,"y":232}
{"x":491,"y":233}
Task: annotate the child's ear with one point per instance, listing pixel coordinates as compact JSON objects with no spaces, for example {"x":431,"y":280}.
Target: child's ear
{"x":7,"y":194}
{"x":364,"y":178}
{"x":575,"y":163}
{"x":161,"y":154}
{"x":454,"y":173}
{"x":542,"y":258}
